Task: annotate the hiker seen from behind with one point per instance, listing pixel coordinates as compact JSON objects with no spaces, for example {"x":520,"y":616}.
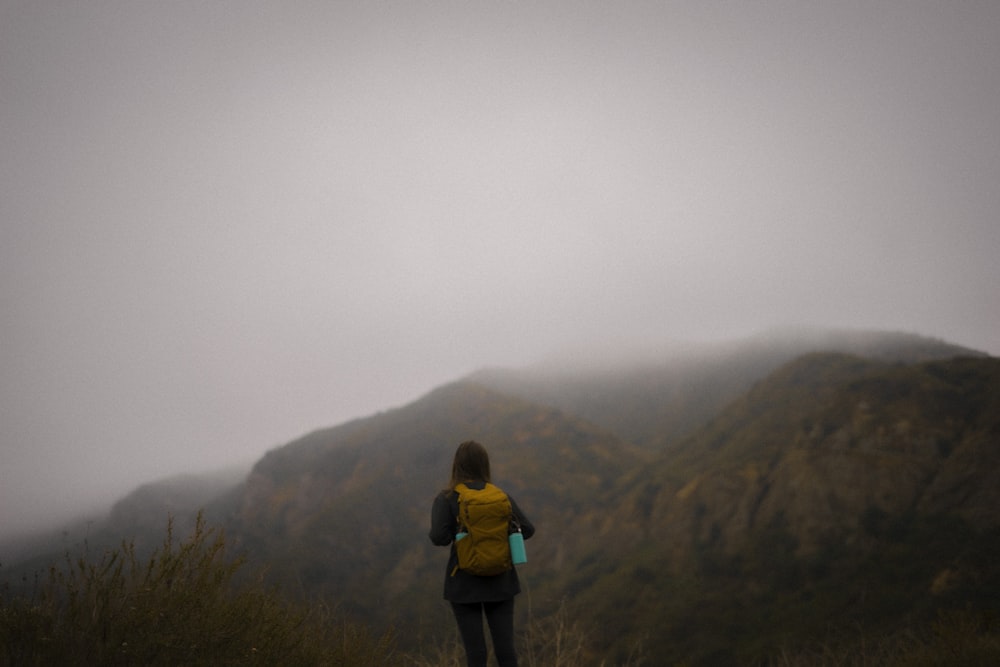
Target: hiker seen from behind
{"x":481,"y":523}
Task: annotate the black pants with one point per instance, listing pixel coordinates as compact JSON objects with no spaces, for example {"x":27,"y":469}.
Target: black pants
{"x":500,"y":617}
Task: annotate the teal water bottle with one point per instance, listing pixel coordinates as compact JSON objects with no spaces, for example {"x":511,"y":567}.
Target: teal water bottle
{"x":517,"y":553}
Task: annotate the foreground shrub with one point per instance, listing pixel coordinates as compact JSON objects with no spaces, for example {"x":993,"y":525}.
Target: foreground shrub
{"x":182,"y":606}
{"x":956,"y":639}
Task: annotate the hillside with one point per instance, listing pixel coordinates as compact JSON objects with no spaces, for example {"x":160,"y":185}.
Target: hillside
{"x":180,"y":496}
{"x":344,"y":512}
{"x":838,"y":493}
{"x":828,"y":463}
{"x":711,"y":507}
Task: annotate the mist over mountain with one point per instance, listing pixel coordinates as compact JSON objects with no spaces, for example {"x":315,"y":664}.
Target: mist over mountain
{"x":653,"y":397}
{"x":778,"y":489}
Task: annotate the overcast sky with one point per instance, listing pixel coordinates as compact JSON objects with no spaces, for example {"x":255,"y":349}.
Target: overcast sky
{"x":224,"y":224}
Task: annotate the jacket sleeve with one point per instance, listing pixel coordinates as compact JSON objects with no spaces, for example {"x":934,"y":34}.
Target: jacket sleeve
{"x":442,"y":521}
{"x":527,"y":528}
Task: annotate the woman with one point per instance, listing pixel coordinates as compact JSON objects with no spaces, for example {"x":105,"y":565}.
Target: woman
{"x":472,"y":596}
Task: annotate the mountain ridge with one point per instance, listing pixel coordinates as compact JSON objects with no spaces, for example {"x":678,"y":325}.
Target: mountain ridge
{"x":746,"y":494}
{"x":673,"y":391}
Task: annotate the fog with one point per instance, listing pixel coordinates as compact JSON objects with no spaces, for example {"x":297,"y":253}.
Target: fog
{"x":225,"y":224}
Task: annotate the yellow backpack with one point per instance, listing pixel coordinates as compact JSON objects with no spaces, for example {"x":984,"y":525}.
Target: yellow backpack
{"x":484,"y":519}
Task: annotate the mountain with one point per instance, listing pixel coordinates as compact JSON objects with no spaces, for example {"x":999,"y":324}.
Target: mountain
{"x":790,"y":457}
{"x":344,"y":512}
{"x":712,"y":506}
{"x":179,"y":496}
{"x":837,"y":492}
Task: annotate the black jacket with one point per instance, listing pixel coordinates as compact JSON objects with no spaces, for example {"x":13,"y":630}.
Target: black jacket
{"x":463,"y":587}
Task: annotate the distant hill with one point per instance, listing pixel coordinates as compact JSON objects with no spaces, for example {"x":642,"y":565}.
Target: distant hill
{"x":711,"y":506}
{"x":140,"y":517}
{"x":144,"y":511}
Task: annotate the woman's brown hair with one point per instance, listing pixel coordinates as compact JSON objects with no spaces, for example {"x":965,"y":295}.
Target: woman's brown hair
{"x":471,"y":464}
